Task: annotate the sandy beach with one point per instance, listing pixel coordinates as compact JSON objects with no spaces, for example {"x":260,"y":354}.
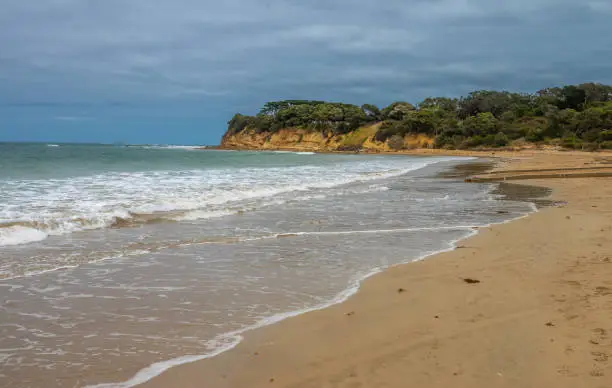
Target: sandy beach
{"x":522,"y":304}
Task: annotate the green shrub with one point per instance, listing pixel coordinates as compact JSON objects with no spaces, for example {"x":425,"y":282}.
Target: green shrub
{"x":605,"y":136}
{"x":534,"y":136}
{"x":571,"y":142}
{"x":501,"y":139}
{"x":396,"y":142}
{"x":442,"y":140}
{"x":590,"y":146}
{"x":606,"y":145}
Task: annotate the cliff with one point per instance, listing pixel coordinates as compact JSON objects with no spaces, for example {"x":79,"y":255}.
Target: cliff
{"x":298,"y":139}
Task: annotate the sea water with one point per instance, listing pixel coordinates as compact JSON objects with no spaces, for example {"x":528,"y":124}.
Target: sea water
{"x":117,"y":262}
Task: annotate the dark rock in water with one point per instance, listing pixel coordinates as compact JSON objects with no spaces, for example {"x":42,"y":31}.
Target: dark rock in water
{"x":471,"y":281}
{"x":400,"y":290}
{"x":550,"y":324}
{"x":502,"y":212}
{"x":350,"y":313}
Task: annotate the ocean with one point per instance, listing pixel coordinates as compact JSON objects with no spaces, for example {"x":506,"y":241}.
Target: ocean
{"x":117,"y":262}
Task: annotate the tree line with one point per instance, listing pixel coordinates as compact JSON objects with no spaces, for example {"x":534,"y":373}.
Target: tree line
{"x":573,"y":116}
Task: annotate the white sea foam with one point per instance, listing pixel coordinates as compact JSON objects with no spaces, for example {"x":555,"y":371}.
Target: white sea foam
{"x":169,"y":147}
{"x":295,"y":152}
{"x":62,"y":206}
{"x":376,"y":231}
{"x":16,"y":235}
{"x":201,"y":214}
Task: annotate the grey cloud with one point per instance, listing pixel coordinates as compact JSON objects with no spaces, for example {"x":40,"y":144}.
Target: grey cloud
{"x":243,"y":52}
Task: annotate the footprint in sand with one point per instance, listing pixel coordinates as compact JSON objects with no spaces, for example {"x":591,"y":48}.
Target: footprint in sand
{"x":600,"y":356}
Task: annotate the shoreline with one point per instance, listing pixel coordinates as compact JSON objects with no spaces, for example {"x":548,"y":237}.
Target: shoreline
{"x":504,"y":155}
{"x":150,"y":373}
{"x":242,"y":355}
{"x":234,"y":338}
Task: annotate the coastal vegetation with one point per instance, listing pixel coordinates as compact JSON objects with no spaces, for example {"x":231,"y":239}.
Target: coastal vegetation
{"x":573,"y":116}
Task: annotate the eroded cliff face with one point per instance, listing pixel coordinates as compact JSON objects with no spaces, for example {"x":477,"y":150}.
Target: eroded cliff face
{"x":297,"y":139}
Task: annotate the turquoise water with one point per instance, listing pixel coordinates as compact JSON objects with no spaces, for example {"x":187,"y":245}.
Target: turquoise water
{"x":54,"y":161}
{"x":118,"y":262}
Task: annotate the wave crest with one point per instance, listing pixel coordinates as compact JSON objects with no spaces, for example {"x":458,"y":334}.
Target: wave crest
{"x":17,"y":235}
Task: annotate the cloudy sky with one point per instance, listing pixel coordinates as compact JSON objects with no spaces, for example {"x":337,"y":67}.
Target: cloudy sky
{"x":174,"y":71}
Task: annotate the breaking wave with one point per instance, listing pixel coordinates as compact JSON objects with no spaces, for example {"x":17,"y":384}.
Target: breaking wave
{"x":35,"y":209}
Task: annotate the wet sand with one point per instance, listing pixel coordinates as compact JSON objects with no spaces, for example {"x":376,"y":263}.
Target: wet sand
{"x":522,"y":304}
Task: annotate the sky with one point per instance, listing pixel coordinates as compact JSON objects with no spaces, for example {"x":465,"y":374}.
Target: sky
{"x":175,"y":71}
